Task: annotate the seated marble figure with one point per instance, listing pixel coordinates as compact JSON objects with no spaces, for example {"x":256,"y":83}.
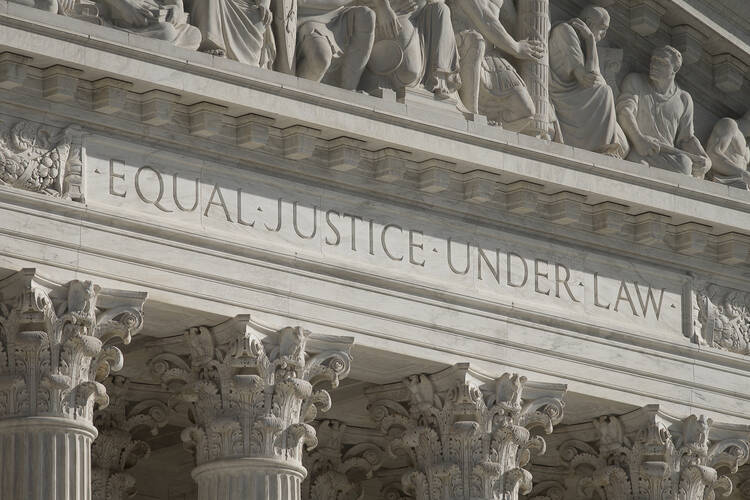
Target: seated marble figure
{"x":160,"y":19}
{"x":729,"y":152}
{"x":490,"y":84}
{"x":335,"y":38}
{"x":418,"y":49}
{"x":584,"y":103}
{"x":657,"y":117}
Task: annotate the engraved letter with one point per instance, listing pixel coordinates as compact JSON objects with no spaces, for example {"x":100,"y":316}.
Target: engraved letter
{"x":296,"y":227}
{"x":239,"y":209}
{"x":371,"y":231}
{"x":495,"y":270}
{"x":413,"y":245}
{"x":333,"y":228}
{"x":354,"y":219}
{"x":596,"y":293}
{"x":649,"y":297}
{"x":620,"y":296}
{"x":382,"y":241}
{"x":221,"y":202}
{"x":157,"y":201}
{"x":538,"y":275}
{"x":525,"y":271}
{"x":564,"y":281}
{"x":177,"y":199}
{"x":112,"y":177}
{"x":450,"y":258}
{"x":278,"y":224}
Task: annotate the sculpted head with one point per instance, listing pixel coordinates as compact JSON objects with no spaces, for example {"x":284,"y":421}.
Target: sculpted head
{"x":665,"y":63}
{"x":597,"y":19}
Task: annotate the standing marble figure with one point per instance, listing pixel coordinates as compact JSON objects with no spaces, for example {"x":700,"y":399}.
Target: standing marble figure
{"x":237,"y":29}
{"x":657,"y":117}
{"x":584,"y":104}
{"x":490,"y":85}
{"x":729,"y":152}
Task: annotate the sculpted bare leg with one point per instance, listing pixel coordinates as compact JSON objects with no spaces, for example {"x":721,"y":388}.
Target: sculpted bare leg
{"x":316,"y":58}
{"x":471,"y":49}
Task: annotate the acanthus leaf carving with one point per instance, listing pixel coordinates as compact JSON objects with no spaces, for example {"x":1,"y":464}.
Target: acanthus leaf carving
{"x":654,"y":458}
{"x":721,"y":318}
{"x":466,"y":437}
{"x":344,"y":458}
{"x":43,"y":159}
{"x":55,"y":350}
{"x":254,"y":393}
{"x":115,"y":450}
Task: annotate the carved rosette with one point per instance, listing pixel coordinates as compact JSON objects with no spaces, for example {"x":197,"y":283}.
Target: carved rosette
{"x":337,"y":467}
{"x":56,"y":344}
{"x":115,"y":451}
{"x":251,"y":401}
{"x":466,"y":438}
{"x":43,"y":159}
{"x":649,"y":462}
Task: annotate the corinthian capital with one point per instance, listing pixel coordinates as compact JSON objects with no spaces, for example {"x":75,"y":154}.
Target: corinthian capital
{"x":252,"y":391}
{"x":56,"y":344}
{"x":115,"y":451}
{"x":345,"y":457}
{"x":650,"y":455}
{"x":466,"y":435}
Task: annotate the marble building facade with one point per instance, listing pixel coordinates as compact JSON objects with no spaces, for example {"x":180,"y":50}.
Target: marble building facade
{"x":374,"y":250}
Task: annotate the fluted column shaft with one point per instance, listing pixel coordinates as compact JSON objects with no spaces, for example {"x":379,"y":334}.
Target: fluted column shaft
{"x":248,"y":479}
{"x":45,"y":458}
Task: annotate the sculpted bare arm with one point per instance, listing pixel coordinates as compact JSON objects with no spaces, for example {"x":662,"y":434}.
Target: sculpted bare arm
{"x":493,"y":30}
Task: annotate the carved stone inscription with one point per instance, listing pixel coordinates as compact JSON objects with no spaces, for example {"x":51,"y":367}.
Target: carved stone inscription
{"x":380,"y":241}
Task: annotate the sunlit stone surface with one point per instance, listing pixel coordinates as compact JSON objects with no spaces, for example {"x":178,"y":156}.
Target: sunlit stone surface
{"x":376,"y":249}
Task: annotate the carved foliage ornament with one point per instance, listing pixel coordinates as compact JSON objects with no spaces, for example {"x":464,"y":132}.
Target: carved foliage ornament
{"x":335,"y":469}
{"x":43,"y":159}
{"x":115,"y":451}
{"x":465,"y":443}
{"x":248,"y":398}
{"x":722,"y":319}
{"x":56,"y":344}
{"x":650,"y":464}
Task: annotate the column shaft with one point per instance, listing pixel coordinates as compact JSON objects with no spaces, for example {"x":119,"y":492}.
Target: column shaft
{"x":248,"y":479}
{"x":45,"y":459}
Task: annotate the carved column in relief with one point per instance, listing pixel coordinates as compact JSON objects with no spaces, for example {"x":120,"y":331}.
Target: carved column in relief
{"x":647,"y":455}
{"x":55,"y":348}
{"x":115,"y":451}
{"x":468,"y":437}
{"x":251,"y":392}
{"x":534,"y":24}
